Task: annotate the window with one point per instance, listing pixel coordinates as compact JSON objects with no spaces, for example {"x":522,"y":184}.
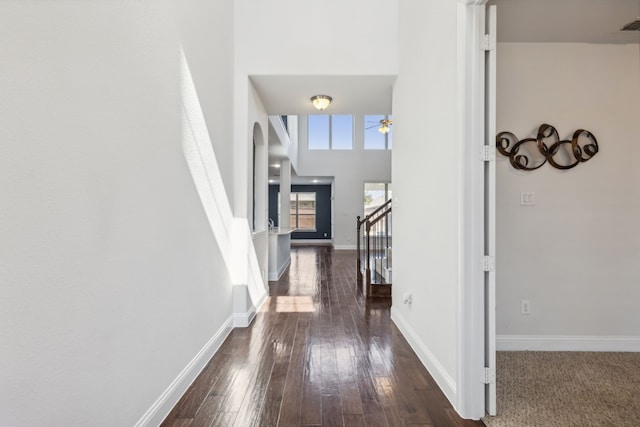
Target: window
{"x":373,"y":139}
{"x":375,"y":195}
{"x":302,"y":211}
{"x":341,"y":132}
{"x":319,"y":127}
{"x":330,"y":132}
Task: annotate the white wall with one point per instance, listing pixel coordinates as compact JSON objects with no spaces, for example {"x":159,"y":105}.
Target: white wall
{"x":112,"y":280}
{"x":575,"y":254}
{"x":350,"y":169}
{"x":426,"y":186}
{"x":420,"y":44}
{"x":202,"y":27}
{"x":279,"y":38}
{"x":332,"y":37}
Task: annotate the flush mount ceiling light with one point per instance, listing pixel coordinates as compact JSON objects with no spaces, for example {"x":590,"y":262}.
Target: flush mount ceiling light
{"x":321,"y":101}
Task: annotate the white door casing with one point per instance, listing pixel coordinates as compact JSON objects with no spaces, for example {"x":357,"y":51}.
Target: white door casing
{"x":490,"y":211}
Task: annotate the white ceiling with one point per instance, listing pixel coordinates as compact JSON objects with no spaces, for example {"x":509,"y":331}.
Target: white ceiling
{"x":566,"y":21}
{"x":570,"y":21}
{"x":526,"y":21}
{"x":290,"y":95}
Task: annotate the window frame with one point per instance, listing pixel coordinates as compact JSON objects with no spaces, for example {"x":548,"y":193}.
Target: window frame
{"x":387,"y":194}
{"x":387,"y":146}
{"x":296,"y":227}
{"x":330,"y":132}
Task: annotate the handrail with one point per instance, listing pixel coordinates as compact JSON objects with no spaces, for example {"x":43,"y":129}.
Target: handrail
{"x":377,"y":228}
{"x":387,"y":203}
{"x":379,"y":217}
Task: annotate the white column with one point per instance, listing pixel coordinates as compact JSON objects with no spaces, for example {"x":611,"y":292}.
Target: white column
{"x":285,"y":192}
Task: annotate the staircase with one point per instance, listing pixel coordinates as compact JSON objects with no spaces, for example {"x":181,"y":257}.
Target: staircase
{"x":374,"y":252}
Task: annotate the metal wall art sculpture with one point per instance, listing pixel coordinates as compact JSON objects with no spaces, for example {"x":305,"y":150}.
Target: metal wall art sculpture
{"x":531,"y":153}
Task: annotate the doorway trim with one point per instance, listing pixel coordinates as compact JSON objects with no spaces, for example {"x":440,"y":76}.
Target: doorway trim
{"x":471,"y":116}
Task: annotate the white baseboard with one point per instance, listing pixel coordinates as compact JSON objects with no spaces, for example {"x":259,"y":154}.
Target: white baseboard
{"x":170,"y":397}
{"x":276,"y":275}
{"x":435,"y":368}
{"x":311,"y":242}
{"x":243,"y":320}
{"x":345,"y":247}
{"x":567,"y":343}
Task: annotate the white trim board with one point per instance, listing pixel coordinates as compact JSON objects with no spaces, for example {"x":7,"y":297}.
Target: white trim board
{"x":345,"y":247}
{"x":311,"y":242}
{"x":430,"y":362}
{"x":243,"y":320}
{"x":276,"y":275}
{"x":567,"y":343}
{"x":170,"y":397}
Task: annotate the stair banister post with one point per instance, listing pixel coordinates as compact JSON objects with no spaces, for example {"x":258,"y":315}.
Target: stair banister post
{"x":368,"y":253}
{"x":358,"y":249}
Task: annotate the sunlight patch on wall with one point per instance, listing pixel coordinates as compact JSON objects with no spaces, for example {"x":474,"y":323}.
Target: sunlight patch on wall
{"x":232,"y":234}
{"x":203,"y":165}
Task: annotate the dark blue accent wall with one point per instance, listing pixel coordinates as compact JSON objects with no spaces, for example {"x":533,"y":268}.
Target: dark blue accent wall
{"x":323,"y":209}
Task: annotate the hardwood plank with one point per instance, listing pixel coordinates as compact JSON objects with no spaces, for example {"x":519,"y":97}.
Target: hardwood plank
{"x":318,"y":353}
{"x":278,"y":348}
{"x":208,"y":411}
{"x":438,"y":406}
{"x":329,"y":369}
{"x":275,"y":391}
{"x":376,"y":419}
{"x":274,"y":395}
{"x":368,"y":394}
{"x":354,"y":420}
{"x":311,"y":409}
{"x":224,"y":419}
{"x":350,"y":396}
{"x":198,"y":391}
{"x":291,"y":395}
{"x":177,"y":422}
{"x":391,"y":401}
{"x":331,"y":410}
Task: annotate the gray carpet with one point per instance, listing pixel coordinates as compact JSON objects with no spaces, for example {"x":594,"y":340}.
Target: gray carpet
{"x":567,"y":389}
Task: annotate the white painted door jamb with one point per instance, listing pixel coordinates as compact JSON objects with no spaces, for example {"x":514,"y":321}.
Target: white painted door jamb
{"x":471,"y":69}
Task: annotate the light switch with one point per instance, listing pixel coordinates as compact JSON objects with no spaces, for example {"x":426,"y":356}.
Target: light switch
{"x":527,"y":198}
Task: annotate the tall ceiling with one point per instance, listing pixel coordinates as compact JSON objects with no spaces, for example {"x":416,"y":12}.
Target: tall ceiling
{"x":525,"y":21}
{"x":290,"y":95}
{"x":545,"y":21}
{"x":566,"y":21}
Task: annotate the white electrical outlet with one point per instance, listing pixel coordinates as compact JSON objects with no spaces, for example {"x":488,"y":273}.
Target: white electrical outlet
{"x":525,"y":306}
{"x":407,"y":298}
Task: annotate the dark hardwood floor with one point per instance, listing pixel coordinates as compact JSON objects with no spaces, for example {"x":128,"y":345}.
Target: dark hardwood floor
{"x":317,"y":354}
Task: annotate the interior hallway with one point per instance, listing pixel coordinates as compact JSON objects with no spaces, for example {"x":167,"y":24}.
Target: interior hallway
{"x":317,"y":354}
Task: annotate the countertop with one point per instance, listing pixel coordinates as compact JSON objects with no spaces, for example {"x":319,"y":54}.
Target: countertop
{"x":279,"y":231}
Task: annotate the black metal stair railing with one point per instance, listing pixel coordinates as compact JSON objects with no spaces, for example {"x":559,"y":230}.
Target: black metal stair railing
{"x":374,"y":250}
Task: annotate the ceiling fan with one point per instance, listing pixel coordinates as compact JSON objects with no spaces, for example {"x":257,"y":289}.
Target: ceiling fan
{"x":382,"y":125}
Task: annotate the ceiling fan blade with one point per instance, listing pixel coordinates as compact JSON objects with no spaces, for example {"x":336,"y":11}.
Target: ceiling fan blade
{"x":374,"y":126}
